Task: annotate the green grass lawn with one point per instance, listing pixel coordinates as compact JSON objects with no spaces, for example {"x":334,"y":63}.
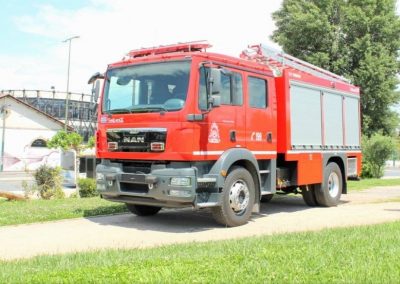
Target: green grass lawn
{"x":369,"y":183}
{"x":23,"y":212}
{"x":369,"y":254}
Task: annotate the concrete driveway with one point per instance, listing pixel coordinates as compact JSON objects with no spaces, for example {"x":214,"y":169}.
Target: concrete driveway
{"x":281,"y":215}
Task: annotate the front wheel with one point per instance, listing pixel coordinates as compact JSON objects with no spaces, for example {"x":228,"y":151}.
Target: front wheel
{"x":143,"y":210}
{"x":328,"y":193}
{"x":237,"y":199}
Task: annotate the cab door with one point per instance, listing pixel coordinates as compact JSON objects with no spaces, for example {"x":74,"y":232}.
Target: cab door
{"x":261,"y":129}
{"x":223,"y":127}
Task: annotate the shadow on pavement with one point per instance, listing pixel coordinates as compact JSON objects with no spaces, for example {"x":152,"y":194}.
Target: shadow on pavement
{"x":188,"y":220}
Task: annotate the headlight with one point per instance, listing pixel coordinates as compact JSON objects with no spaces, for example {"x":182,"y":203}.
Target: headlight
{"x":100,"y":177}
{"x":180,"y":181}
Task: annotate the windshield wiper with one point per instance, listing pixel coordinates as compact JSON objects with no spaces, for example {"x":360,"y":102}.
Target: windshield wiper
{"x":149,"y":109}
{"x":120,"y":110}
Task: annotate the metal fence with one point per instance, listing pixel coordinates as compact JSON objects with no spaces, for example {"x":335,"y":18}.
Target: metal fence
{"x":82,"y":109}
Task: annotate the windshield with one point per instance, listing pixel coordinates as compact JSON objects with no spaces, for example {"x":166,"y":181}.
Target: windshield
{"x":151,"y":87}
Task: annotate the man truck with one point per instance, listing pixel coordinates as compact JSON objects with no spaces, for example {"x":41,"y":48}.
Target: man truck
{"x":179,"y":126}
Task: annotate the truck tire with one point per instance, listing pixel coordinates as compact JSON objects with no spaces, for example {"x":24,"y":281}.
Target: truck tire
{"x":143,"y":210}
{"x":308,"y":193}
{"x":266,"y":198}
{"x":237,"y":199}
{"x":328,"y":193}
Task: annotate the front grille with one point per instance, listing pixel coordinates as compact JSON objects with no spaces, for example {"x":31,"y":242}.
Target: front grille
{"x":135,"y":139}
{"x":134,"y":187}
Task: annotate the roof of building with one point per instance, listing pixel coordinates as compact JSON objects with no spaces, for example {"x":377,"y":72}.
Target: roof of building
{"x":62,"y":124}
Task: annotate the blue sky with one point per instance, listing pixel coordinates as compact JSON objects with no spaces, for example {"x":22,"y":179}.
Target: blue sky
{"x":32,"y":55}
{"x":15,"y":41}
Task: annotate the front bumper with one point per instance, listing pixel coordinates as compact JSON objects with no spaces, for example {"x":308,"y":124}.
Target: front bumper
{"x":155,"y":188}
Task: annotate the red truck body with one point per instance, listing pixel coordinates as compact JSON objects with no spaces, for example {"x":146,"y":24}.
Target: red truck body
{"x":237,"y":133}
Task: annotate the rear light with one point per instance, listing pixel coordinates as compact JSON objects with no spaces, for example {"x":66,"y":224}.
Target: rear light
{"x":112,"y":146}
{"x":157,"y":146}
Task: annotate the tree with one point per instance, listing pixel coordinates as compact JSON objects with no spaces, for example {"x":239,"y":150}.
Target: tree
{"x":66,"y":141}
{"x":358,"y":39}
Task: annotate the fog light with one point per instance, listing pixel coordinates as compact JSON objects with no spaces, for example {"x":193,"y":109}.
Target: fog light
{"x":101,"y":186}
{"x":180,"y":181}
{"x":180,"y":193}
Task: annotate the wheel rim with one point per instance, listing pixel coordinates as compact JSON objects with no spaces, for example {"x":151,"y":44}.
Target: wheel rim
{"x":239,"y":196}
{"x":333,"y":184}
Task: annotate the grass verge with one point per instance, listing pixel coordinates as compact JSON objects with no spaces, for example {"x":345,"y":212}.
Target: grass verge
{"x":367,"y":254}
{"x":31,"y":211}
{"x":370,"y":183}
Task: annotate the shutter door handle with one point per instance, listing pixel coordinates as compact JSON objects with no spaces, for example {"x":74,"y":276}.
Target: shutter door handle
{"x":269,"y":137}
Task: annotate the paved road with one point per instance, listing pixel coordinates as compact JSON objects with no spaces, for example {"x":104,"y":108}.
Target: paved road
{"x":283,"y":214}
{"x":392,"y":172}
{"x":12,"y":181}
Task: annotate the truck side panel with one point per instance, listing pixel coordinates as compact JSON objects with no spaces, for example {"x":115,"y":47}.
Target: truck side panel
{"x":305,"y":116}
{"x":316,"y":119}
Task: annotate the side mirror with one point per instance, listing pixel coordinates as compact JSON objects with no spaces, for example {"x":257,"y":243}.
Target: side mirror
{"x":96,"y":91}
{"x":95,"y":77}
{"x":215,"y":101}
{"x":96,"y":85}
{"x":215,"y":81}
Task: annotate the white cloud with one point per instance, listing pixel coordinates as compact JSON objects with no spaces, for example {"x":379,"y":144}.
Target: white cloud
{"x":109,"y":29}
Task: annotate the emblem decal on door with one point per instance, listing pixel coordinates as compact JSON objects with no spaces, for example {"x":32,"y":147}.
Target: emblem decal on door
{"x":213,"y":136}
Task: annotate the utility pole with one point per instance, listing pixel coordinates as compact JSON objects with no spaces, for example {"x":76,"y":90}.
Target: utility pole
{"x":69,"y":40}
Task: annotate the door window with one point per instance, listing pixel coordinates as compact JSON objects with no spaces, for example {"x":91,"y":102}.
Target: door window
{"x":231,"y":89}
{"x":258,"y":92}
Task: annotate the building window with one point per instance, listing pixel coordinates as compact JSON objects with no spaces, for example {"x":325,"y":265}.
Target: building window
{"x":39,"y":143}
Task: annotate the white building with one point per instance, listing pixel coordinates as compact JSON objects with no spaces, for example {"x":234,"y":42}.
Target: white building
{"x":24,"y":131}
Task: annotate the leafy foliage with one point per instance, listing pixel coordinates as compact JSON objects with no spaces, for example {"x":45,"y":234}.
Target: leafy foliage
{"x":49,"y":182}
{"x":376,"y":149}
{"x":87,"y":187}
{"x":66,"y":141}
{"x":91,"y":142}
{"x":358,"y":39}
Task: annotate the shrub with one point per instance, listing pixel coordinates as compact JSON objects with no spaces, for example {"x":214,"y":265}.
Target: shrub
{"x":377,"y":149}
{"x":49,"y":182}
{"x":87,"y":187}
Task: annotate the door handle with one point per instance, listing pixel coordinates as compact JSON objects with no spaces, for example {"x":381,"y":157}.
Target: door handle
{"x":269,"y":137}
{"x":232,"y":135}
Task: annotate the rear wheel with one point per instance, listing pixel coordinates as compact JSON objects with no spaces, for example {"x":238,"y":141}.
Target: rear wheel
{"x":143,"y":210}
{"x":329,"y":192}
{"x":237,"y":199}
{"x":308,"y":193}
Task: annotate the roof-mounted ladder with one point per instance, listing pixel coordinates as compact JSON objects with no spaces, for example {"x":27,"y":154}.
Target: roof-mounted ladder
{"x":278,"y":60}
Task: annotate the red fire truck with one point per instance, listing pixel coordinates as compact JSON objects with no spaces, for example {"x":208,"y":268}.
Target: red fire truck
{"x":182,"y":127}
